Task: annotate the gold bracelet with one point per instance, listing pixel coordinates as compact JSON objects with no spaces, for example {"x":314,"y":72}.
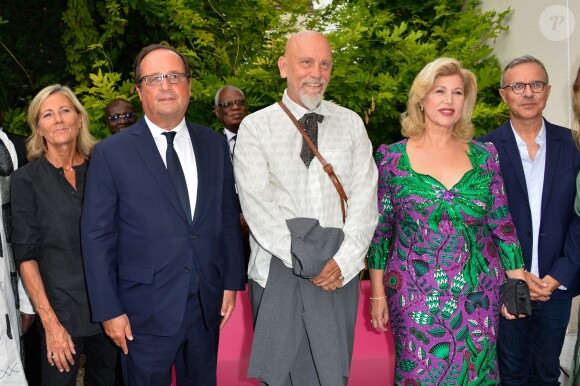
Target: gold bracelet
{"x":382,"y":297}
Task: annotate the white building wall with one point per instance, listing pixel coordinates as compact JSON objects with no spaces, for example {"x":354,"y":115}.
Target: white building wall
{"x":550,"y":31}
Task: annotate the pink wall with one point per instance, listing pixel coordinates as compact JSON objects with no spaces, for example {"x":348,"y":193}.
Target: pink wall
{"x":373,"y":356}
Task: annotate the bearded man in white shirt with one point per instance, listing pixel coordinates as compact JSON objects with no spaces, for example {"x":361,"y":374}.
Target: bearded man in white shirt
{"x":277,"y":185}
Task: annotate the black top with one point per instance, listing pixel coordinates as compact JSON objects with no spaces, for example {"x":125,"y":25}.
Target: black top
{"x":46,"y":212}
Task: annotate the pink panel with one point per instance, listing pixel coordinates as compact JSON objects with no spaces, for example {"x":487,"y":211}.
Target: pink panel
{"x":373,"y":356}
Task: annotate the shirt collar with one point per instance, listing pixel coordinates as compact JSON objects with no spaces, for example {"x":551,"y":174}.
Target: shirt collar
{"x":299,"y":111}
{"x":229,"y":134}
{"x":540,"y":138}
{"x":157,"y":131}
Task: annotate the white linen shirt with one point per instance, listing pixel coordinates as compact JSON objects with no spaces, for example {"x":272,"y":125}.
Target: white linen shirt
{"x":275,"y":185}
{"x":184,"y":149}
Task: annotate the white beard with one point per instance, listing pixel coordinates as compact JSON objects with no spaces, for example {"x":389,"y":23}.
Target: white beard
{"x":311,"y":102}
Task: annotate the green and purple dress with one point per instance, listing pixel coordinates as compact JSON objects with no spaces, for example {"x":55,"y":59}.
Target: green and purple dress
{"x":444,"y":252}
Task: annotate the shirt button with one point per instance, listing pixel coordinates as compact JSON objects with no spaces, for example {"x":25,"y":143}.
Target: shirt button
{"x":187,"y":269}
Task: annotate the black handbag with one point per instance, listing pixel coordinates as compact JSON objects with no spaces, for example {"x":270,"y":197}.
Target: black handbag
{"x":516,"y":297}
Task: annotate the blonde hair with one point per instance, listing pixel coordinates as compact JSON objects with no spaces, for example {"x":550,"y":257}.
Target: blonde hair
{"x":36,"y":145}
{"x":413,"y":120}
{"x":576,"y":109}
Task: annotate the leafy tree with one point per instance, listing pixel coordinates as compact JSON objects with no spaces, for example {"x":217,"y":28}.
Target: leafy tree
{"x":379,"y":46}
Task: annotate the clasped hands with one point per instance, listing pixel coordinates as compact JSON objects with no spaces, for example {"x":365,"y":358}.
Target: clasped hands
{"x":540,"y":290}
{"x":330,"y":278}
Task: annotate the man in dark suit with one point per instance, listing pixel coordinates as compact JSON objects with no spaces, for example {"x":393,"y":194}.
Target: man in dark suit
{"x":161,"y":234}
{"x":539,"y":164}
{"x":230,"y":109}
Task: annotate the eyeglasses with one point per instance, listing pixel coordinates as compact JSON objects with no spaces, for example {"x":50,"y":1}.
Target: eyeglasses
{"x":156,"y":80}
{"x":519,"y":87}
{"x":118,"y":117}
{"x":237,"y":102}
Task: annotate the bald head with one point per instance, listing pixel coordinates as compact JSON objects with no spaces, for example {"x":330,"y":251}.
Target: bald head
{"x":306,"y":65}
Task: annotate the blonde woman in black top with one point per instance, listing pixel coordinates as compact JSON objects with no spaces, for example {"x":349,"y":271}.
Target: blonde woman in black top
{"x":47,"y":199}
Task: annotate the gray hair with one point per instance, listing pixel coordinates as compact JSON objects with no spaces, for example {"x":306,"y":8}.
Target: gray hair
{"x":521,"y":60}
{"x":227,"y":86}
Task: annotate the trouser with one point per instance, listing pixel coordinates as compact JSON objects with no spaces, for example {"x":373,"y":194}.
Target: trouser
{"x":193,"y":349}
{"x":529,"y":348}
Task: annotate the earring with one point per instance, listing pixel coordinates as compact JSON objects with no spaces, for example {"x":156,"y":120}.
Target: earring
{"x":421,"y":108}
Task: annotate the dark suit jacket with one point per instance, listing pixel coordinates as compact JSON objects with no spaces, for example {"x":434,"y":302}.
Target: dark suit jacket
{"x":19,"y":142}
{"x":138,"y":246}
{"x":559,"y":223}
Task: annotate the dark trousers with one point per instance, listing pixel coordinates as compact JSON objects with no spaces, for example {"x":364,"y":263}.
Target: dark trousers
{"x":193,"y":349}
{"x":100,"y":354}
{"x":529,"y":349}
{"x":32,"y":355}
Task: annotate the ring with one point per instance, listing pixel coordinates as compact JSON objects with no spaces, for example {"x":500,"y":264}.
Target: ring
{"x":52,"y":356}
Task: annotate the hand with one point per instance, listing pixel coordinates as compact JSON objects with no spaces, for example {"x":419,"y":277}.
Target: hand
{"x":228,"y":305}
{"x":59,"y":346}
{"x":330,"y":278}
{"x":26,"y":321}
{"x":553,"y":284}
{"x":539,"y":290}
{"x":244,"y":225}
{"x":505,"y":313}
{"x":380,"y":313}
{"x":119,"y":329}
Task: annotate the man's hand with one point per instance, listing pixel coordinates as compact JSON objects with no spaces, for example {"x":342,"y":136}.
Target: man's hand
{"x":244,"y":225}
{"x":26,"y":321}
{"x":228,"y":305}
{"x":119,"y":329}
{"x":539,"y":289}
{"x":330,"y":278}
{"x":553,"y":284}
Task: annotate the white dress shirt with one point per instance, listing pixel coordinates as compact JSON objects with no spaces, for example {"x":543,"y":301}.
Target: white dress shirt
{"x":275,"y":185}
{"x":534,"y":173}
{"x":231,"y":137}
{"x":184,"y":150}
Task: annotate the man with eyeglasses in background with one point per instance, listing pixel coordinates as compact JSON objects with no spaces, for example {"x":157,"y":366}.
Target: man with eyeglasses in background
{"x":119,"y":114}
{"x":539,"y":163}
{"x":161,"y":237}
{"x":230,"y":109}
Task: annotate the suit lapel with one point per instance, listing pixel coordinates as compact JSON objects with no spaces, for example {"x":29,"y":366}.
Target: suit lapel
{"x":552,"y":155}
{"x":510,"y":145}
{"x":147,"y":150}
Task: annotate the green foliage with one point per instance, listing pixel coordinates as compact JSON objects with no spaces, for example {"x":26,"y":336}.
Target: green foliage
{"x":379,"y":46}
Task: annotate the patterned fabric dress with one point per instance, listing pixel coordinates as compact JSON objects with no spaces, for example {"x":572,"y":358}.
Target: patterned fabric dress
{"x":444,"y":252}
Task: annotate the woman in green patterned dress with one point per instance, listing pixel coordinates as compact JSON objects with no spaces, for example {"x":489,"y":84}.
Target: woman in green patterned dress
{"x":445,"y":239}
{"x":575,"y":372}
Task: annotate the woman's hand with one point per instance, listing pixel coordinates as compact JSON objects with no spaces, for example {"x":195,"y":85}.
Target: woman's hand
{"x":59,"y":346}
{"x":507,"y":315}
{"x":380,"y":313}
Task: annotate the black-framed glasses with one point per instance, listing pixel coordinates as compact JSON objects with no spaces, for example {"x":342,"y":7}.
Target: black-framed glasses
{"x":157,"y":79}
{"x":118,"y":117}
{"x":228,"y":104}
{"x":519,"y":87}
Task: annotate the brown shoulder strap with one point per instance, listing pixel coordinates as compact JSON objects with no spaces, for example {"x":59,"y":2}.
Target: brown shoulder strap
{"x":325,"y":165}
